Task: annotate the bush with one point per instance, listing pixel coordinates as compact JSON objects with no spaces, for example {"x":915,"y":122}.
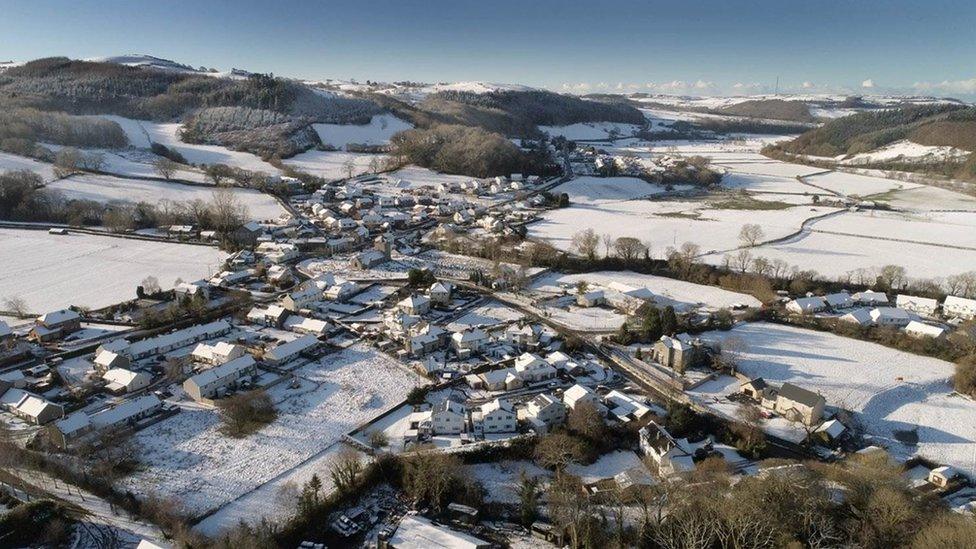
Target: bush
{"x":965,"y":379}
{"x":246,"y":413}
{"x":36,"y":523}
{"x":459,"y":150}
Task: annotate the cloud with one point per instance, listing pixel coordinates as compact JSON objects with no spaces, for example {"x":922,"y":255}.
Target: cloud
{"x":808,"y":85}
{"x":578,"y":87}
{"x":963,"y":87}
{"x":869,"y":83}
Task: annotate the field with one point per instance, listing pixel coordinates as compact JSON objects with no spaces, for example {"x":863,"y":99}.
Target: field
{"x":860,"y":185}
{"x":590,"y":131}
{"x":52,"y":271}
{"x":890,"y":391}
{"x":102,"y":188}
{"x":12,"y":162}
{"x":592,"y":190}
{"x":187,"y":457}
{"x":331,"y":165}
{"x":378,"y":132}
{"x":667,"y":291}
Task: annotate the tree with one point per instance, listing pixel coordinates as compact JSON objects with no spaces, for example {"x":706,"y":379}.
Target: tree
{"x":582,"y":286}
{"x":557,"y":450}
{"x":244,"y":413}
{"x":16,"y":305}
{"x":218,"y":173}
{"x":891,"y":277}
{"x":528,"y":494}
{"x":585,"y":420}
{"x":751,"y":234}
{"x":964,"y":380}
{"x":227,"y":211}
{"x":608,"y":241}
{"x":374,"y":165}
{"x":67,"y":162}
{"x":345,"y":470}
{"x":349,"y":167}
{"x":429,"y":476}
{"x":150,"y":285}
{"x":309,"y":497}
{"x":629,"y":249}
{"x":378,"y":439}
{"x":165,"y":167}
{"x":669,"y":321}
{"x":741,"y":260}
{"x":585,"y":243}
{"x":651,"y":329}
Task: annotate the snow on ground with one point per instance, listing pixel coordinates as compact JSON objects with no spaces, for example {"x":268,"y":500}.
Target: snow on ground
{"x":53,"y":271}
{"x":591,"y":130}
{"x":767,"y":184}
{"x":608,"y":466}
{"x":592,"y":190}
{"x":187,"y":457}
{"x":501,"y":479}
{"x":836,"y":256}
{"x":378,"y":132}
{"x":861,"y":185}
{"x":134,"y":130}
{"x":103,"y":188}
{"x":275,"y":500}
{"x":666,"y":224}
{"x":332,"y":164}
{"x":907,"y":151}
{"x":667,"y":291}
{"x":888,"y":389}
{"x":167,"y":134}
{"x":930,"y":198}
{"x":713,"y":394}
{"x":490,"y":314}
{"x":415,"y":176}
{"x":12,"y":162}
{"x":586,"y":319}
{"x":950,"y":228}
{"x":772,"y":168}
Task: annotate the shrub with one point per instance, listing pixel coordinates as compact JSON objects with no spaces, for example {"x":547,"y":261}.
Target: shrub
{"x":246,"y":413}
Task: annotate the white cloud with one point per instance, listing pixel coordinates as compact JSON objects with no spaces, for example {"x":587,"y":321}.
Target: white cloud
{"x":869,"y":83}
{"x":967,"y":87}
{"x":808,"y":84}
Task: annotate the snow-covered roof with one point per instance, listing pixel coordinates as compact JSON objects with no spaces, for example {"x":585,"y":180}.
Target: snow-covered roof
{"x":123,"y":412}
{"x":415,"y":532}
{"x":223,"y":371}
{"x":122,"y":376}
{"x":289,"y":350}
{"x":55,"y":318}
{"x":187,"y":335}
{"x":915,"y":327}
{"x":74,"y":423}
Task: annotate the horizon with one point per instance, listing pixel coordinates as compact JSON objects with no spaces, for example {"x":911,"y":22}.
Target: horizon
{"x":709,"y":49}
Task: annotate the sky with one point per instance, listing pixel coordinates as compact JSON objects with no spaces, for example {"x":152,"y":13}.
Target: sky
{"x":705,"y":47}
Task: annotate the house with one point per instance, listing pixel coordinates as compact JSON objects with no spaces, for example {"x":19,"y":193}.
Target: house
{"x":581,"y":394}
{"x":840,"y":300}
{"x":177,"y":340}
{"x":506,"y":379}
{"x":671,"y":456}
{"x":630,"y":482}
{"x":415,"y":304}
{"x":221,"y":352}
{"x":106,"y":360}
{"x":543,"y":412}
{"x":305,"y":325}
{"x":127,"y":413}
{"x":302,"y":298}
{"x":469,"y":341}
{"x":533,"y":369}
{"x":55,"y":325}
{"x":624,"y":407}
{"x":416,"y":532}
{"x":29,"y":407}
{"x":211,"y":383}
{"x":288,"y":351}
{"x":794,"y":403}
{"x":674,"y":353}
{"x":368,"y":259}
{"x":523,"y":335}
{"x":273,"y":316}
{"x":497,"y":416}
{"x":591,"y":299}
{"x":959,"y":307}
{"x":942,"y":476}
{"x":889,"y":316}
{"x":754,"y":388}
{"x":921,"y":329}
{"x":342,"y":290}
{"x":807,"y":305}
{"x":121,"y":381}
{"x":924,"y":306}
{"x":440,"y":293}
{"x":448,"y":418}
{"x":861,"y":317}
{"x":190,"y":290}
{"x":871,"y":298}
{"x":248,"y":233}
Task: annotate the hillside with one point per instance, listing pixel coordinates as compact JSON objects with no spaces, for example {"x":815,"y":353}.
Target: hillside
{"x":772,"y":109}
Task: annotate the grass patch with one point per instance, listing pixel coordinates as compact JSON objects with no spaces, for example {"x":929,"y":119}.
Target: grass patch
{"x":680,"y":215}
{"x":749,"y":203}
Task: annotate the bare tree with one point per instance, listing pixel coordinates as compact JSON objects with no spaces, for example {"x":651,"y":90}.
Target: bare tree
{"x":165,"y":167}
{"x":374,"y":165}
{"x":585,"y":242}
{"x":345,"y":469}
{"x":741,"y":260}
{"x":150,"y":285}
{"x":16,"y":305}
{"x":629,"y":249}
{"x":227,"y":211}
{"x":67,"y":162}
{"x":751,"y":234}
{"x":557,"y":450}
{"x":892,"y":276}
{"x":349,"y":166}
{"x":607,"y":244}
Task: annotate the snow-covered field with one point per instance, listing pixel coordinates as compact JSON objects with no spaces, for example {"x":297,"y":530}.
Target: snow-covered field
{"x":166,"y":134}
{"x":889,"y":390}
{"x":187,"y":457}
{"x":770,"y":167}
{"x":501,"y":479}
{"x":103,"y":188}
{"x":764,"y":183}
{"x":930,"y":198}
{"x":592,"y":190}
{"x":666,"y":224}
{"x":607,"y":466}
{"x":949,"y":228}
{"x":907,"y":151}
{"x":415,"y":176}
{"x":332,"y":164}
{"x":852,"y":184}
{"x":591,"y":130}
{"x":12,"y":162}
{"x":53,"y":271}
{"x":667,"y":291}
{"x":378,"y":132}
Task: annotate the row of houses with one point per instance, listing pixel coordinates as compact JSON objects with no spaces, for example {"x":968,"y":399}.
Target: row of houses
{"x":951,"y":307}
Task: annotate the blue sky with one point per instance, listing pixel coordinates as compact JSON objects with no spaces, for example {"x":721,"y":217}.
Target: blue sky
{"x":709,"y":46}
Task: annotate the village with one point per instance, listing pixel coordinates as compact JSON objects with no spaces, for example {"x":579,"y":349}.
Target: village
{"x":363,"y":323}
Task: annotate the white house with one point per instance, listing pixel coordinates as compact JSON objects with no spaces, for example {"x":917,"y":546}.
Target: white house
{"x":959,"y":307}
{"x":871,"y":298}
{"x":581,"y":394}
{"x":543,"y":412}
{"x":924,"y":306}
{"x":192,"y":289}
{"x":106,"y":360}
{"x":861,"y":317}
{"x":288,"y":351}
{"x":532,"y":369}
{"x":440,"y":293}
{"x":921,"y":329}
{"x":448,"y":418}
{"x":889,"y":316}
{"x":208,"y":384}
{"x":807,"y":305}
{"x":497,"y":416}
{"x":625,"y":407}
{"x":671,"y":456}
{"x":591,"y":299}
{"x":840,"y":300}
{"x":415,"y":304}
{"x":31,"y":408}
{"x":469,"y":341}
{"x":177,"y":340}
{"x":125,"y":381}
